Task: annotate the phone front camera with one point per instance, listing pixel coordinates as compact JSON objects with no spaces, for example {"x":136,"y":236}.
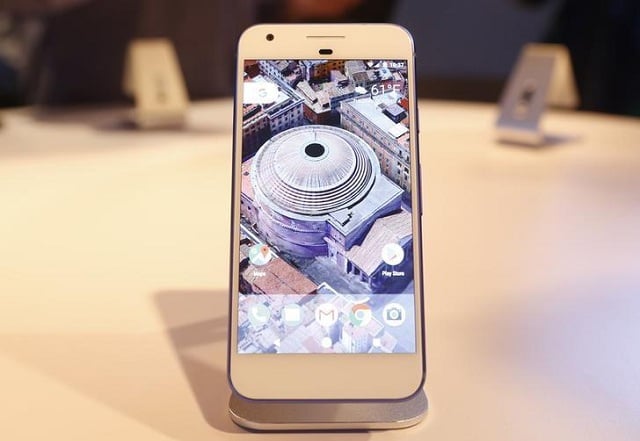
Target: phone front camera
{"x":270,"y":37}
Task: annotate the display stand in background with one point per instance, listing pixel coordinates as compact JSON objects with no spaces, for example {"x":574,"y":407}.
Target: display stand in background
{"x":327,"y":415}
{"x":542,"y":76}
{"x":154,"y":79}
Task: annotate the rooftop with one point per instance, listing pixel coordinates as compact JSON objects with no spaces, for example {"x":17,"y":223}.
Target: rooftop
{"x":279,"y":277}
{"x":395,"y":228}
{"x":313,"y":170}
{"x":353,"y":66}
{"x":247,"y":189}
{"x":372,"y":110}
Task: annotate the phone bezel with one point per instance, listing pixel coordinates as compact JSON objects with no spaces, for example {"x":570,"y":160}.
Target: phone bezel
{"x":311,"y":376}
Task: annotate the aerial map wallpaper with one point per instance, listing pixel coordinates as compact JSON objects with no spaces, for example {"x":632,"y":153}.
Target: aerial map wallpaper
{"x":326,"y":230}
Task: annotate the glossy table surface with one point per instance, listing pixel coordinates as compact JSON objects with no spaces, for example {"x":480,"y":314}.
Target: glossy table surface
{"x":113,"y":248}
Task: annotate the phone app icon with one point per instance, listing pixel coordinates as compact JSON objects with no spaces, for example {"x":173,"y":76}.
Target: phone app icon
{"x":360,"y":315}
{"x":392,"y":254}
{"x":292,"y":314}
{"x":326,"y":314}
{"x":259,"y":314}
{"x":259,"y":254}
{"x":394,"y":314}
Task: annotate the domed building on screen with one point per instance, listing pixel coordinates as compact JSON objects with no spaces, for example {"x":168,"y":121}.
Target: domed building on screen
{"x":316,"y":191}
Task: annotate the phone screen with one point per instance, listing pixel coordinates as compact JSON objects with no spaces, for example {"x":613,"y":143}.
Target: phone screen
{"x":326,"y":225}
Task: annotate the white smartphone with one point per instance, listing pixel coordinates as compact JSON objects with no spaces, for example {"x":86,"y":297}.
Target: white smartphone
{"x":326,"y":259}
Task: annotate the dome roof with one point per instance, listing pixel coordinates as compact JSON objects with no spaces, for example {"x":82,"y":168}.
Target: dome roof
{"x":313,"y":170}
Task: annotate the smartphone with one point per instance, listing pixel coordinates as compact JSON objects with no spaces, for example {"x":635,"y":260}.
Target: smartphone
{"x":326,"y":258}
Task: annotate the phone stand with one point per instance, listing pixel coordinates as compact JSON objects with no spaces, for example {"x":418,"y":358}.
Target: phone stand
{"x":277,"y":415}
{"x":542,"y":76}
{"x":153,"y":77}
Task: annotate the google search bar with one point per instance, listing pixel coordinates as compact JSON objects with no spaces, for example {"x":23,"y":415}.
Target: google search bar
{"x":259,"y":93}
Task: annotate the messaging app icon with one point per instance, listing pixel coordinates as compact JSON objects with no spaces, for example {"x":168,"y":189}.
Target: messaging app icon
{"x":360,"y":315}
{"x":292,"y":314}
{"x":259,"y":314}
{"x":259,"y":254}
{"x":326,"y":314}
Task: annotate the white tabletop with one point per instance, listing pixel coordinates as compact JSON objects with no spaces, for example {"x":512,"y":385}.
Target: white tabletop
{"x":113,"y":249}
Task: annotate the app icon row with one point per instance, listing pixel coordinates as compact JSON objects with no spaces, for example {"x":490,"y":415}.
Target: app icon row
{"x":326,"y":314}
{"x":391,"y":253}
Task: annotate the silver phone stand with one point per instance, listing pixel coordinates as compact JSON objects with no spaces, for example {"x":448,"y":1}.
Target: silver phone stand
{"x":277,"y":415}
{"x":542,"y":76}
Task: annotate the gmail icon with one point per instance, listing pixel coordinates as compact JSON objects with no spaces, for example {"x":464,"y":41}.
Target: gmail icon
{"x":326,"y":314}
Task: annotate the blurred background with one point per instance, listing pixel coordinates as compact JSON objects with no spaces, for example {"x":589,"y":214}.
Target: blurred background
{"x":113,"y":285}
{"x":61,"y":52}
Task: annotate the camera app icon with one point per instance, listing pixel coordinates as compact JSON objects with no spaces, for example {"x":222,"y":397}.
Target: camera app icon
{"x":394,"y":314}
